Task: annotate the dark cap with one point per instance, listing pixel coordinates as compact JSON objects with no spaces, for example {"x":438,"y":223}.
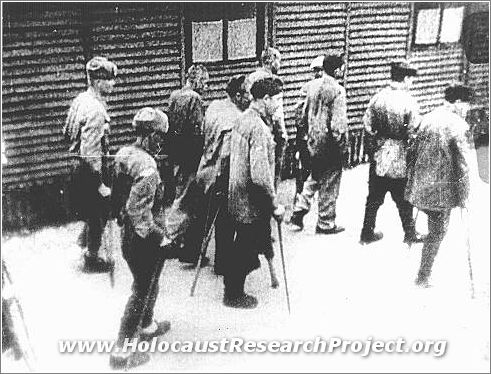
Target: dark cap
{"x":402,"y":68}
{"x":101,"y":68}
{"x":332,"y":62}
{"x":458,"y":91}
{"x":148,"y":120}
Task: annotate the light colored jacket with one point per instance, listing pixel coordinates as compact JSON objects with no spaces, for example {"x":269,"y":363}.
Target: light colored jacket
{"x":251,"y":186}
{"x":438,"y":172}
{"x":325,"y":114}
{"x":87,"y":128}
{"x":391,"y":118}
{"x":219,"y":120}
{"x":137,"y":168}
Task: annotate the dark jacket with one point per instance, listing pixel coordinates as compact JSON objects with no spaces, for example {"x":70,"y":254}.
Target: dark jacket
{"x":438,"y":173}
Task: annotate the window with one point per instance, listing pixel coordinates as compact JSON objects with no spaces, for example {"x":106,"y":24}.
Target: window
{"x":437,"y":23}
{"x":226,"y":32}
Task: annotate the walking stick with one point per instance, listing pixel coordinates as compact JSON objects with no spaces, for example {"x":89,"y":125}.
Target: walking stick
{"x":109,"y":242}
{"x":204,"y":248}
{"x":415,"y":220}
{"x":468,"y":244}
{"x":280,"y":239}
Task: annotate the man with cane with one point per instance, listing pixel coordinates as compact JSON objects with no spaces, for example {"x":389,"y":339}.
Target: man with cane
{"x":438,"y":178}
{"x":251,"y":193}
{"x":144,"y":243}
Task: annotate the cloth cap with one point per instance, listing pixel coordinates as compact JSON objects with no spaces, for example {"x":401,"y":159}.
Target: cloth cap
{"x":101,"y":68}
{"x":148,"y":120}
{"x":317,"y":63}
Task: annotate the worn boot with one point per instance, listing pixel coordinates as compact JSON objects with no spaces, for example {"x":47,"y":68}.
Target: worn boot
{"x":297,"y":219}
{"x":370,"y":237}
{"x":95,"y":264}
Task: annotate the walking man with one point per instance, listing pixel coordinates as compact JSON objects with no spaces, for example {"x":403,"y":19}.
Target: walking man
{"x":251,"y":194}
{"x":270,"y":64}
{"x":391,"y":118}
{"x":438,"y":173}
{"x":144,"y":244}
{"x":87,"y":128}
{"x":324,"y":114}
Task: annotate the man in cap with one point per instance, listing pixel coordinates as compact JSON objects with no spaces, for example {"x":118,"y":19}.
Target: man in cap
{"x":302,"y":152}
{"x":144,"y":244}
{"x":390,"y":119}
{"x":270,"y":64}
{"x":325,"y":116}
{"x":87,"y":128}
{"x":438,"y":171}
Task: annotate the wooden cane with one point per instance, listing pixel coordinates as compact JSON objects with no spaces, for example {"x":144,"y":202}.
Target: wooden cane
{"x":280,"y":239}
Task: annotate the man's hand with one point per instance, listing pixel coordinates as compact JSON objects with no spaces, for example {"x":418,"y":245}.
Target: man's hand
{"x":104,"y":190}
{"x":279,"y":213}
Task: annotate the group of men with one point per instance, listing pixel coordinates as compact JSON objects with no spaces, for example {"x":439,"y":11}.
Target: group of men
{"x":224,"y":166}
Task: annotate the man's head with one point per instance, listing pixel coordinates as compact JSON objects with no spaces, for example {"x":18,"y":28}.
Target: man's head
{"x":151,"y":125}
{"x":237,"y":91}
{"x":197,"y":78}
{"x":271,"y":59}
{"x":460,"y":96}
{"x":317,"y":66}
{"x":402,"y":71}
{"x":101,"y":74}
{"x":267,"y":92}
{"x":333,"y":65}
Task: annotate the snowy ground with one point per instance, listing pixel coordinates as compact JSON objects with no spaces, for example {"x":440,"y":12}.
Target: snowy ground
{"x":338,"y":289}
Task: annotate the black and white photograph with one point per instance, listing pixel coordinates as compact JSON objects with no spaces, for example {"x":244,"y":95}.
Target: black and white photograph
{"x":238,"y":187}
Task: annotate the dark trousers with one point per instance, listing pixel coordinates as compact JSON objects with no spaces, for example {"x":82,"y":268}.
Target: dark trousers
{"x":377,"y":189}
{"x":250,"y":240}
{"x":437,"y":228}
{"x":143,"y":257}
{"x":200,"y":226}
{"x":90,"y":206}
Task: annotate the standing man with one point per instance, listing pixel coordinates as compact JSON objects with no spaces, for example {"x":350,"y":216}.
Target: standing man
{"x":324,"y":114}
{"x":438,"y":174}
{"x":144,"y":244}
{"x":186,"y":113}
{"x":251,"y":194}
{"x":302,"y":151}
{"x":87,"y":128}
{"x":391,"y":118}
{"x":270,"y":64}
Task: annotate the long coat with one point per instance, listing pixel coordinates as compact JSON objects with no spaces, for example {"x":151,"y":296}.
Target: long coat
{"x":438,"y":173}
{"x":251,"y":186}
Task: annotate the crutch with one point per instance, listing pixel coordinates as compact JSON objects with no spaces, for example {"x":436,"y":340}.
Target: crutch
{"x":465,"y":222}
{"x":280,"y":239}
{"x":204,"y":248}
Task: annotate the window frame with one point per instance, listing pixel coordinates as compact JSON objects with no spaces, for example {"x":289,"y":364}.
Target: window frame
{"x":438,"y":44}
{"x":260,"y":16}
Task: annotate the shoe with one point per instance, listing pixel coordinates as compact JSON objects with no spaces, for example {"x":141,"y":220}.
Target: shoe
{"x":241,"y":302}
{"x":332,"y":230}
{"x":297,"y":219}
{"x":117,"y":362}
{"x":96,"y":264}
{"x":162,"y":328}
{"x":414,"y":238}
{"x":371,"y":237}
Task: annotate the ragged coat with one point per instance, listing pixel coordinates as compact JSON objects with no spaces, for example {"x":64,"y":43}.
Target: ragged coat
{"x":438,"y":172}
{"x":251,"y":194}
